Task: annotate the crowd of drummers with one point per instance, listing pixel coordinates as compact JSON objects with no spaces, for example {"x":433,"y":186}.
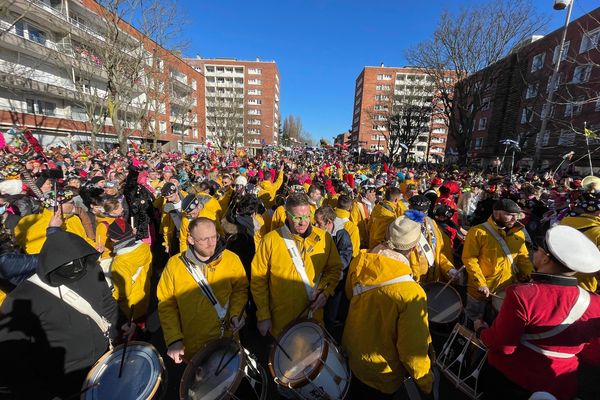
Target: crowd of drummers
{"x":293,"y":274}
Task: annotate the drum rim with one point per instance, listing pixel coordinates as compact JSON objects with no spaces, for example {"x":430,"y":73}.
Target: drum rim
{"x":106,"y":355}
{"x":317,"y":365}
{"x":214,"y":344}
{"x":462,"y":306}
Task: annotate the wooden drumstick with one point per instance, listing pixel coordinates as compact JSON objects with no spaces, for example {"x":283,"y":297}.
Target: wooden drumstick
{"x":219,"y":370}
{"x":279,"y":345}
{"x":310,"y":303}
{"x":491,"y":294}
{"x":447,"y":284}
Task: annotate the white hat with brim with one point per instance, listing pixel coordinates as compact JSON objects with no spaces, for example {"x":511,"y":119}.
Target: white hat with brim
{"x":573,"y":249}
{"x":403,"y":233}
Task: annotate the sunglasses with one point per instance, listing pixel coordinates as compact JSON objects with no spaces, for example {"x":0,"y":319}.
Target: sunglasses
{"x":298,"y":218}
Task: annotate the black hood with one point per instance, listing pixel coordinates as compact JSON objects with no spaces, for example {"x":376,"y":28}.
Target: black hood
{"x":60,"y":248}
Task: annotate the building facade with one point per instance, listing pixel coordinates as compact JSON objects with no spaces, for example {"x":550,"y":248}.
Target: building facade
{"x":518,"y":99}
{"x":59,"y":79}
{"x":242,"y":102}
{"x":380,"y":92}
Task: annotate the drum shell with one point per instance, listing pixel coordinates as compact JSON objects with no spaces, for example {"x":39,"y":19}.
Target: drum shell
{"x":437,"y":296}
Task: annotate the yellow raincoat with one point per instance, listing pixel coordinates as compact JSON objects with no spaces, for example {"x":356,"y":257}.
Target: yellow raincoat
{"x":186,"y":313}
{"x":590,"y":226}
{"x":386,"y":334}
{"x":131,"y":269}
{"x":268,"y":190}
{"x":485,"y":261}
{"x":30,"y":232}
{"x":351,"y":228}
{"x":277,"y":287}
{"x":102,"y":224}
{"x":278,"y":218}
{"x":360,"y":217}
{"x":383,"y":214}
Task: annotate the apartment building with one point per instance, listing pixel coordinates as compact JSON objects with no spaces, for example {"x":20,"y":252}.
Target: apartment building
{"x":381,"y":92}
{"x":56,"y":80}
{"x":517,"y":101}
{"x":242,"y":102}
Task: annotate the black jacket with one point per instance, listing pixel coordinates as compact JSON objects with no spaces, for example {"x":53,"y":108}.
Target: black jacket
{"x":44,"y":342}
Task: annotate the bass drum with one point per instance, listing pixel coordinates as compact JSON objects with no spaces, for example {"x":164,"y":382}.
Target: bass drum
{"x":143,"y":375}
{"x":223,"y":369}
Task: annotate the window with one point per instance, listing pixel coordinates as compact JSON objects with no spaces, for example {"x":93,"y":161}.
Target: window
{"x":254,"y":122}
{"x":254,"y":71}
{"x":379,"y":117}
{"x":564,"y":54}
{"x":384,"y":77}
{"x":532,"y":90}
{"x":538,"y":62}
{"x":254,"y":82}
{"x":574,"y":108}
{"x":566,"y":138}
{"x":255,"y":102}
{"x":210,"y":69}
{"x":478,"y":143}
{"x":380,"y":107}
{"x":421,"y":148}
{"x":559,"y":78}
{"x":382,"y":87}
{"x":438,"y":130}
{"x":28,"y":31}
{"x":439,"y":121}
{"x":597,"y":102}
{"x":254,"y":92}
{"x":482,"y":123}
{"x":526,"y":115}
{"x":254,"y":112}
{"x":41,"y":107}
{"x":485,"y":104}
{"x":582,"y":73}
{"x":589,"y":41}
{"x":545,"y":110}
{"x":163,"y":127}
{"x":381,"y":97}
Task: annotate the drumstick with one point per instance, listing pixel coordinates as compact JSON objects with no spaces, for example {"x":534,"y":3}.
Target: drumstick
{"x":310,"y":303}
{"x":126,"y":341}
{"x":447,"y":284}
{"x":491,"y":294}
{"x":227,"y":363}
{"x":85,"y":389}
{"x":279,"y":345}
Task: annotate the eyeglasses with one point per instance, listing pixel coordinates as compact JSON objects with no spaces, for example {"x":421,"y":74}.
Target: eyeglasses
{"x":207,"y":239}
{"x":298,"y":218}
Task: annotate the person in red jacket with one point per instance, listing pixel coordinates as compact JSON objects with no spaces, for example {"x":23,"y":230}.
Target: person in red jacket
{"x":544,"y":326}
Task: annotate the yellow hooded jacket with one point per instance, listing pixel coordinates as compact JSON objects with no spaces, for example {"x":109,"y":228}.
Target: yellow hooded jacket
{"x":351,"y":228}
{"x":383,"y":214}
{"x":278,"y":218}
{"x":590,"y":226}
{"x":186,"y":313}
{"x":131,"y":269}
{"x":102,"y":224}
{"x":277,"y":288}
{"x":359,"y":216}
{"x":386,"y":334}
{"x":485,"y":261}
{"x":268,"y":190}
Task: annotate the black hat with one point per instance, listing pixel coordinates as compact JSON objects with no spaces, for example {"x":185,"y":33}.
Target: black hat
{"x":507,"y":205}
{"x":189,"y":203}
{"x":419,"y":203}
{"x":168,"y":189}
{"x":97,"y":179}
{"x":119,"y":230}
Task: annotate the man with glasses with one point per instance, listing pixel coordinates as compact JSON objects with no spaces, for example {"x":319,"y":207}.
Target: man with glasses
{"x":202,"y":293}
{"x":495,"y":256}
{"x":294,"y":265}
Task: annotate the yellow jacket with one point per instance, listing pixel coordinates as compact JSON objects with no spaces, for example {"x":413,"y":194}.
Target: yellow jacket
{"x":351,"y":228}
{"x":184,"y":228}
{"x":102,"y":224}
{"x":186,"y":313}
{"x":30,"y":232}
{"x":422,"y":273}
{"x":386,"y":333}
{"x":590,"y":226}
{"x":485,"y":261}
{"x":359,"y":216}
{"x":212,"y":208}
{"x":277,"y":288}
{"x":268,"y":190}
{"x":383,"y":214}
{"x":407,"y":182}
{"x":278,"y":218}
{"x":131,"y":269}
{"x":225,"y":198}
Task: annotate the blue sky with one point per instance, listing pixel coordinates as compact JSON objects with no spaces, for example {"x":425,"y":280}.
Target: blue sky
{"x":320,"y":46}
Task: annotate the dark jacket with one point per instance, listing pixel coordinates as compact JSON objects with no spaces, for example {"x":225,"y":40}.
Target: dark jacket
{"x":344,"y":247}
{"x":47,"y":346}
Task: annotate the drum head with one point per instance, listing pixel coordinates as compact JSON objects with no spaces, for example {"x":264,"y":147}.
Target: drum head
{"x":305,"y":343}
{"x":443,"y":303}
{"x":214,"y":372}
{"x":140,"y":378}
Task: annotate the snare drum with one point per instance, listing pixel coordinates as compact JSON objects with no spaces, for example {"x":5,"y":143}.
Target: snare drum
{"x":444,"y":305}
{"x":143,"y":376}
{"x":462,"y":360}
{"x":317,"y":369}
{"x":223,"y":369}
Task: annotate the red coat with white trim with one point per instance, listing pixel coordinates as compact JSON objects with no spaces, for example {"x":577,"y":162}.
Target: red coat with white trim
{"x":534,"y":308}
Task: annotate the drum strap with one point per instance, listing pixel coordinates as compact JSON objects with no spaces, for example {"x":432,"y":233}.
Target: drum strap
{"x":74,"y":300}
{"x":360,"y":288}
{"x":426,"y":249}
{"x":297,"y":260}
{"x":202,"y":282}
{"x":576,"y":312}
{"x":503,"y":245}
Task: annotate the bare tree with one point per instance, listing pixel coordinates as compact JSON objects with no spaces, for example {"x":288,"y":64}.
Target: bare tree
{"x":225,"y":121}
{"x":467,"y":43}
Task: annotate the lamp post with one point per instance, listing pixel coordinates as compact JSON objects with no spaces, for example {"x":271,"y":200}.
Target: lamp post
{"x":558,"y":5}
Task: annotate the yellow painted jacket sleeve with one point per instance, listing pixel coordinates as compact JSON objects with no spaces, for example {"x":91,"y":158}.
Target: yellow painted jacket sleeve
{"x":73,"y":224}
{"x":131,"y":269}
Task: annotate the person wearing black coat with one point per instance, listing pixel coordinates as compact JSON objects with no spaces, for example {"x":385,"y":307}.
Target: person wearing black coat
{"x":47,"y":346}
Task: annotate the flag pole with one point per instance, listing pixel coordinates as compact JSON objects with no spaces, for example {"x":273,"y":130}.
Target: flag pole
{"x":587,"y":145}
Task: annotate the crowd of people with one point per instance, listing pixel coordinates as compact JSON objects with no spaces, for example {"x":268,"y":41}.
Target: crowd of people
{"x":226,"y":245}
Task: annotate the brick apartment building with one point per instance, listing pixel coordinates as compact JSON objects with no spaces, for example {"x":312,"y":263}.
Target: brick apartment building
{"x":42,"y":87}
{"x":252,"y":87}
{"x":516,"y":102}
{"x":378,"y":93}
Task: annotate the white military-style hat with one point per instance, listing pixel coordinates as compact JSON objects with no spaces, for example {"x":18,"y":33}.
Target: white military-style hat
{"x":573,"y":249}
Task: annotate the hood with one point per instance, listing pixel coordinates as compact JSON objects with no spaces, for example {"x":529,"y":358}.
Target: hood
{"x":60,"y":248}
{"x":381,"y":211}
{"x":372,"y":269}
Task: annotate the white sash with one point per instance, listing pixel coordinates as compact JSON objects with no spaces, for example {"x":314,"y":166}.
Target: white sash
{"x":196,"y":273}
{"x":360,"y":288}
{"x":426,"y":249}
{"x":74,"y":300}
{"x":297,"y":260}
{"x":503,"y":245}
{"x":576,"y":312}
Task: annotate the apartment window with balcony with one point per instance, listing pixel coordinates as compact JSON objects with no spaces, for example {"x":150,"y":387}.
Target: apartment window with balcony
{"x":380,"y":107}
{"x":482,"y":123}
{"x":210,"y":69}
{"x":566,"y":138}
{"x":381,"y":97}
{"x":254,"y":122}
{"x":384,"y":77}
{"x":385,"y":88}
{"x":255,"y":102}
{"x":478,"y":143}
{"x":31,"y":32}
{"x":239,"y":70}
{"x":574,"y":108}
{"x":41,"y":107}
{"x":254,"y":71}
{"x":532,"y":90}
{"x":564,"y":54}
{"x":589,"y":41}
{"x":254,"y":112}
{"x":229,"y":70}
{"x":526,"y":115}
{"x":538,"y":62}
{"x":254,"y":92}
{"x":220,"y":69}
{"x":582,"y":73}
{"x":254,"y":82}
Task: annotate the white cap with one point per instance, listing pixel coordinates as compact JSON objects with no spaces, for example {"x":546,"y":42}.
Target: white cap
{"x":241,"y":180}
{"x":542,"y":396}
{"x":573,"y":249}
